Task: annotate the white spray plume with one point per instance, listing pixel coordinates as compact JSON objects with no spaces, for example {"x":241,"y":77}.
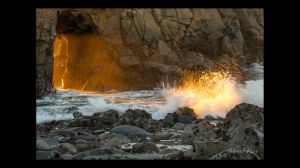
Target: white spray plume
{"x":252,"y":92}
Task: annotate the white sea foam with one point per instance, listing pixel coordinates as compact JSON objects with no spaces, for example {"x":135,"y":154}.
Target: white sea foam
{"x":45,"y":116}
{"x":159,"y":102}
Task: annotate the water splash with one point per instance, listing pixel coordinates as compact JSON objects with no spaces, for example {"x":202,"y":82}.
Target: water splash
{"x":218,"y":96}
{"x":159,"y":102}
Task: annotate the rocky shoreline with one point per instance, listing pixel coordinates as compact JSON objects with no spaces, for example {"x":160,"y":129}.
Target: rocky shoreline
{"x":134,"y":135}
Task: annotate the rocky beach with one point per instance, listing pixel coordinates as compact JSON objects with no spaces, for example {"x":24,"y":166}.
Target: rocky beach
{"x":135,"y":135}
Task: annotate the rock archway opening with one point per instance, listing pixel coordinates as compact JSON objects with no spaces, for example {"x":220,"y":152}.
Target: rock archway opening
{"x":82,"y":62}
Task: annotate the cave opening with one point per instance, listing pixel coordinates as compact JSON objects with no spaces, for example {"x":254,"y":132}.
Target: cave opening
{"x":82,"y":61}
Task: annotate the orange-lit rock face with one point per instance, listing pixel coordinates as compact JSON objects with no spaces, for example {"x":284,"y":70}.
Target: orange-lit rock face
{"x":60,"y":55}
{"x":214,"y":92}
{"x":81,"y":62}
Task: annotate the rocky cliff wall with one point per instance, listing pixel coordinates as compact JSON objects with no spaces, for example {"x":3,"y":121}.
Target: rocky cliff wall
{"x":151,"y":45}
{"x":45,"y":33}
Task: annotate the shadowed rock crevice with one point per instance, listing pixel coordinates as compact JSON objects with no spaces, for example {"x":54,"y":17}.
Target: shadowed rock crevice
{"x":72,"y":22}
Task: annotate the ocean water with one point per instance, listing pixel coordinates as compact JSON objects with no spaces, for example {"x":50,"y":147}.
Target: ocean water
{"x":159,"y":102}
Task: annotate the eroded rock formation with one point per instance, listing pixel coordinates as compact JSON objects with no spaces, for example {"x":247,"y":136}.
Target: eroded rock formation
{"x":153,"y":45}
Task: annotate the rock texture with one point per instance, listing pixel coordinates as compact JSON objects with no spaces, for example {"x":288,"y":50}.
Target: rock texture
{"x":244,"y":126}
{"x":148,"y":46}
{"x":184,"y":115}
{"x":45,"y":34}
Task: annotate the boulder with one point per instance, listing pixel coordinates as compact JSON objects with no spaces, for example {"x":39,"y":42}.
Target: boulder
{"x":81,"y":122}
{"x":198,"y":131}
{"x":128,"y":129}
{"x":52,"y":142}
{"x":130,"y":116}
{"x":147,"y":147}
{"x":243,"y":115}
{"x":48,"y":155}
{"x":183,"y":115}
{"x":141,"y":122}
{"x":169,"y":120}
{"x":66,"y":156}
{"x":122,"y":138}
{"x":109,"y":117}
{"x":114,"y":141}
{"x":42,"y":145}
{"x":136,"y":113}
{"x":103,"y":137}
{"x":97,"y":120}
{"x":206,"y":149}
{"x":153,"y":126}
{"x":249,"y":137}
{"x":83,"y":147}
{"x":67,"y":147}
{"x":179,"y":126}
{"x":243,"y":126}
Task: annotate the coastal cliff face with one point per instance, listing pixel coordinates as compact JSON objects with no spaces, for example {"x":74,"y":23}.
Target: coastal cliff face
{"x":45,"y":33}
{"x":146,"y":46}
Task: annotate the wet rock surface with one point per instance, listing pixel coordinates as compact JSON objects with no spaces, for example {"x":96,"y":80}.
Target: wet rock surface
{"x":239,"y":136}
{"x":243,"y":126}
{"x":183,"y":115}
